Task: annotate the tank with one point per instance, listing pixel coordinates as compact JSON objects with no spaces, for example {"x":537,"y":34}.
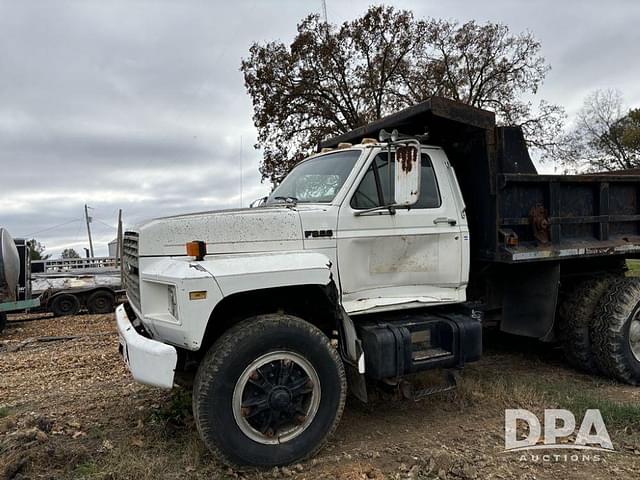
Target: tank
{"x":9,"y":267}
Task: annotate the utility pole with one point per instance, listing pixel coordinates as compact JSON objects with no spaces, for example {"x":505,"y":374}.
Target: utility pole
{"x":88,"y":219}
{"x":324,"y":10}
{"x":119,"y":247}
{"x":241,"y":177}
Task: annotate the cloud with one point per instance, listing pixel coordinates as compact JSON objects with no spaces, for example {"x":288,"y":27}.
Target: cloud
{"x":141,"y":105}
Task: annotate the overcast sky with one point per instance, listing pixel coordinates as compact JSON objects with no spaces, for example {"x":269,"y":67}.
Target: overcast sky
{"x":141,"y":105}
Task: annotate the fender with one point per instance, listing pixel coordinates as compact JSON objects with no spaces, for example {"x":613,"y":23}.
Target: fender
{"x":219,"y":276}
{"x":252,"y":271}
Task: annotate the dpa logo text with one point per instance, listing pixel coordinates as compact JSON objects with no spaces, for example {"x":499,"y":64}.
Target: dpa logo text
{"x":558,"y":424}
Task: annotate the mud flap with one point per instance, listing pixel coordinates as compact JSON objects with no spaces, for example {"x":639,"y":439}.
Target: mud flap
{"x":353,"y":357}
{"x":530,"y":294}
{"x":357,"y":383}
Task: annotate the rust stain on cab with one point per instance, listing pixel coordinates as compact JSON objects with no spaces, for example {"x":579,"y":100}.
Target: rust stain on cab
{"x":406,"y":156}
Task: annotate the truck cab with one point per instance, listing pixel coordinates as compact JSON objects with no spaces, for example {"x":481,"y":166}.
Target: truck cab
{"x":360,"y":268}
{"x":382,"y":256}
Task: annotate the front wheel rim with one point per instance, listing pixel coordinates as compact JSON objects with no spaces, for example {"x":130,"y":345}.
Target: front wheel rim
{"x":276,"y":398}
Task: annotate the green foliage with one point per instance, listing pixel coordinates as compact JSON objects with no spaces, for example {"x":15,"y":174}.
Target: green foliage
{"x":334,"y":78}
{"x":613,"y":413}
{"x":178,"y":410}
{"x":630,"y":135}
{"x":532,"y":390}
{"x":604,"y":137}
{"x":634,"y":268}
{"x":70,"y":253}
{"x":37,"y":250}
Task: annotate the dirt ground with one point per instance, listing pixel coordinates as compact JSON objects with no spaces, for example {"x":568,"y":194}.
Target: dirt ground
{"x":69,"y":409}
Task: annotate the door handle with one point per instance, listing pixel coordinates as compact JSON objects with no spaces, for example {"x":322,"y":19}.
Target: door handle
{"x":450,"y":221}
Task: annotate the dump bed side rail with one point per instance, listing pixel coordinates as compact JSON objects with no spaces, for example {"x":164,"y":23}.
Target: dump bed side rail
{"x":560,"y":216}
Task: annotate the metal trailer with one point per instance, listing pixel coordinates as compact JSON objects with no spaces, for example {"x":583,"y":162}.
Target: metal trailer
{"x":65,"y":286}
{"x":529,"y":232}
{"x":68,"y":286}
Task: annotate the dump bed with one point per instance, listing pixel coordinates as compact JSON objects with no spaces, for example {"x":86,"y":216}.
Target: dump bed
{"x":514,"y":214}
{"x":567,"y":216}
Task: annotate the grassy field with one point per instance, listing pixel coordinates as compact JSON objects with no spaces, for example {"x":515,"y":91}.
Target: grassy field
{"x":634,"y":268}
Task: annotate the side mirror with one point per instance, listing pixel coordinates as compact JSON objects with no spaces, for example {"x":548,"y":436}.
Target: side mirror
{"x":408,"y":173}
{"x":258,"y":202}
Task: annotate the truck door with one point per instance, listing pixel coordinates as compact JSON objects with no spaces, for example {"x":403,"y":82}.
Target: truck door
{"x":412,"y":256}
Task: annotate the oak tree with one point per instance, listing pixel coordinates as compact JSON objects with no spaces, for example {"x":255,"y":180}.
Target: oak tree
{"x":332,"y":79}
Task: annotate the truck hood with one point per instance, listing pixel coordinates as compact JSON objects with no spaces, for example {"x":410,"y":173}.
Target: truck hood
{"x":225,"y":231}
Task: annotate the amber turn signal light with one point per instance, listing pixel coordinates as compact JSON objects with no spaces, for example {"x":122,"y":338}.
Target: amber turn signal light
{"x":511,"y":241}
{"x":197,"y":249}
{"x":199,"y":295}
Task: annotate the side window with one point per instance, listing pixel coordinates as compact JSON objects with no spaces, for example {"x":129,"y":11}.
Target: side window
{"x":429,"y":193}
{"x":368,"y":196}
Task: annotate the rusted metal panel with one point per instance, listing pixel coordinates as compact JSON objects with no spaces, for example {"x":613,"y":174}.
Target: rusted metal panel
{"x":539,"y":221}
{"x":588,"y":215}
{"x":407,"y":181}
{"x":566,"y":250}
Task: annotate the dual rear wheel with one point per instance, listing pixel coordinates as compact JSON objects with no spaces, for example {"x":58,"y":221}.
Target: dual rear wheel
{"x":599,"y":324}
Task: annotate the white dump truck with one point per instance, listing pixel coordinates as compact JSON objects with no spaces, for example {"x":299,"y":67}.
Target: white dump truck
{"x":381,"y":256}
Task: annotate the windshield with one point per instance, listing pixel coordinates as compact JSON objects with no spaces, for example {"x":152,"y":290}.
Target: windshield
{"x":317,"y":180}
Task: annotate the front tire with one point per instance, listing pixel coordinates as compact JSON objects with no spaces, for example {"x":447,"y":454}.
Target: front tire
{"x":3,"y":321}
{"x":269,"y":392}
{"x":616,"y":331}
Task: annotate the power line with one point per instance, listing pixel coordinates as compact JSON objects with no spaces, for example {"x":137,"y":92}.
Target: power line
{"x":103,"y":223}
{"x":52,"y":228}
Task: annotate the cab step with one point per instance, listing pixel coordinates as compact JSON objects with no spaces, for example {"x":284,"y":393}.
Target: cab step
{"x":410,"y":391}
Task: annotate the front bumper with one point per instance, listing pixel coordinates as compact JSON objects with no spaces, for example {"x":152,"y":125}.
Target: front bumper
{"x":149,"y":361}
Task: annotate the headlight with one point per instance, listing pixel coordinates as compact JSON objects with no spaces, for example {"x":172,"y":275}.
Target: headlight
{"x":173,"y":301}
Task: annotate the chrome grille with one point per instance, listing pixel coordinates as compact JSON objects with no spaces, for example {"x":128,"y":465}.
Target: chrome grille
{"x":131,"y":273}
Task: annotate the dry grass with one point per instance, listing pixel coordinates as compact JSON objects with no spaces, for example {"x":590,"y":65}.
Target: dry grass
{"x":99,"y":424}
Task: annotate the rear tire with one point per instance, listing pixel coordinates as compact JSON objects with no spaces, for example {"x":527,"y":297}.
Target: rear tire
{"x":616,"y":331}
{"x":100,"y":302}
{"x":575,"y":317}
{"x":3,"y":321}
{"x":64,"y":304}
{"x":269,"y":392}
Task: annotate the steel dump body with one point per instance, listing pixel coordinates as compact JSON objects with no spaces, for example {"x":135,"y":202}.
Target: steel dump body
{"x":514,"y":214}
{"x":592,"y":215}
